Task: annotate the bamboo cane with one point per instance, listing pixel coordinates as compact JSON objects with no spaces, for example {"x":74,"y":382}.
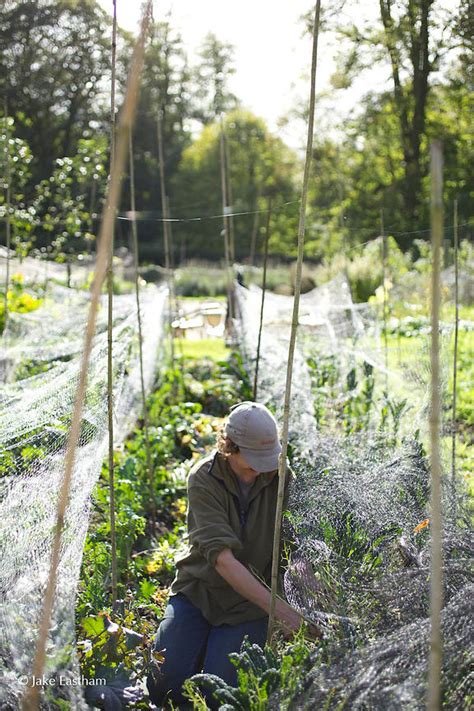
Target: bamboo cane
{"x":345,"y":245}
{"x":264,"y":288}
{"x":226,"y":222}
{"x":110,"y":296}
{"x":294,"y":325}
{"x":30,"y":701}
{"x":455,"y":355}
{"x":256,"y":222}
{"x":436,"y":574}
{"x":166,"y":233}
{"x":7,"y":213}
{"x":173,"y":295}
{"x":385,"y":299}
{"x":229,"y":196}
{"x":140,"y":332}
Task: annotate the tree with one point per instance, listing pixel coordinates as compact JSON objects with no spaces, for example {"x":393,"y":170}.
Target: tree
{"x":407,"y":41}
{"x":212,"y":77}
{"x":261,"y":164}
{"x":15,"y":162}
{"x":359,"y":175}
{"x":65,"y":203}
{"x":164,"y":91}
{"x":54,"y":69}
{"x":413,"y":37}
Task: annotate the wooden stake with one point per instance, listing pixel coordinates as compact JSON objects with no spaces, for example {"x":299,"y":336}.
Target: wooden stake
{"x":225,"y":210}
{"x":91,"y":211}
{"x":151,"y":477}
{"x":173,"y":295}
{"x":456,"y":335}
{"x":229,"y":197}
{"x":7,"y":212}
{"x":264,"y":288}
{"x":256,"y":223}
{"x":345,"y":245}
{"x":30,"y":701}
{"x":166,"y":234}
{"x":436,"y":574}
{"x":110,"y":297}
{"x":385,"y":299}
{"x":294,"y":327}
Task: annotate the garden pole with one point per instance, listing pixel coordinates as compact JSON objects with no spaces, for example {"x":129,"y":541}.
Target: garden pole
{"x":256,"y":222}
{"x":345,"y":245}
{"x":229,"y":196}
{"x":456,"y":335}
{"x":294,"y":326}
{"x":436,"y":572}
{"x":166,"y":232}
{"x":171,"y":253}
{"x":30,"y":700}
{"x":110,"y":296}
{"x":140,"y":331}
{"x":7,"y":213}
{"x":385,"y":301}
{"x":264,"y":288}
{"x":225,"y":211}
{"x":173,"y":295}
{"x":91,"y":209}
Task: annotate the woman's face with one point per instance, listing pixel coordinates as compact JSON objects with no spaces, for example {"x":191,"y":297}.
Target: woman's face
{"x":240,"y":464}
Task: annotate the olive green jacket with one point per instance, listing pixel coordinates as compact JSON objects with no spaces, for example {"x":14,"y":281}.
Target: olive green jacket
{"x":217,"y":519}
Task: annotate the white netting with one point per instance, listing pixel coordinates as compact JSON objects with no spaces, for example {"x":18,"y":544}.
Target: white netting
{"x":34,"y":422}
{"x":360,"y":504}
{"x":42,"y":271}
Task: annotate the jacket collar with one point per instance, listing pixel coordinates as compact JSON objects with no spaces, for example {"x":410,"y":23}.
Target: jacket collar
{"x":221,"y":469}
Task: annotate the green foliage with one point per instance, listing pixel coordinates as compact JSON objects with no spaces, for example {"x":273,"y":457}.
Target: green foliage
{"x":212,"y":75}
{"x":364,"y":268}
{"x":18,"y":299}
{"x":342,"y":399}
{"x":15,"y":171}
{"x":358,"y":402}
{"x":260,"y":674}
{"x":107,"y":645}
{"x":259,"y":164}
{"x":54,"y":73}
{"x":205,"y":348}
{"x":65,"y":202}
{"x":201,"y":280}
{"x":324,"y":378}
{"x":365,"y":172}
{"x":391,"y":413}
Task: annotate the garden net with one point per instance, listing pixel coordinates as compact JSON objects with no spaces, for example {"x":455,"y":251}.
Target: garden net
{"x":43,"y":350}
{"x":359,"y":509}
{"x":43,"y":271}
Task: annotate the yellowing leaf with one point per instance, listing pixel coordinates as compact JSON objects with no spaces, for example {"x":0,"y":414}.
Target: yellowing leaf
{"x":421,"y":525}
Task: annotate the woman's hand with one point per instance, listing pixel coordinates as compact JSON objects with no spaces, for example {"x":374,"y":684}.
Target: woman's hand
{"x":291,"y":621}
{"x":243,"y":582}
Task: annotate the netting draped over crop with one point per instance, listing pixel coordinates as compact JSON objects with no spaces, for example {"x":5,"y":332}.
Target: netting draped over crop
{"x":359,"y":508}
{"x":41,"y":359}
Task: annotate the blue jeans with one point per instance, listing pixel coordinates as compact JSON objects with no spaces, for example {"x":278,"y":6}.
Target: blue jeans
{"x":193,"y":645}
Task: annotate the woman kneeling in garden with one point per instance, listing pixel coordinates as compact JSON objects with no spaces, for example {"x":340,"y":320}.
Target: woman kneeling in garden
{"x":215,"y":600}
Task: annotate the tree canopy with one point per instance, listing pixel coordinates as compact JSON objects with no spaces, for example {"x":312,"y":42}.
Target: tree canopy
{"x":55,"y":69}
